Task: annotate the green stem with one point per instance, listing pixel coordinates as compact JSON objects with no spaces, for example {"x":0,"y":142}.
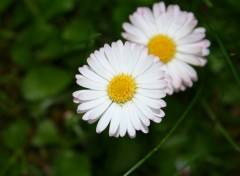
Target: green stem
{"x":192,"y":159}
{"x":225,"y":54}
{"x":185,"y":113}
{"x":219,"y":126}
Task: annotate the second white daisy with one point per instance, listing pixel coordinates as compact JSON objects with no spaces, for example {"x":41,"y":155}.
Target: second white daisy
{"x":170,"y":34}
{"x":125,"y":87}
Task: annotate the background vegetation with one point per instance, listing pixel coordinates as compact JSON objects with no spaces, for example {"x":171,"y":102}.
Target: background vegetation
{"x":43,"y":42}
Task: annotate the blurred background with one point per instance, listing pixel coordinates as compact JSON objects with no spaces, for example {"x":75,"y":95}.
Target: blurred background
{"x":42,"y":44}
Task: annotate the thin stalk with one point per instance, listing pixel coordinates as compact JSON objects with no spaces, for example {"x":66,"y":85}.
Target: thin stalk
{"x":226,"y":56}
{"x":190,"y":161}
{"x":219,"y":126}
{"x":185,"y":113}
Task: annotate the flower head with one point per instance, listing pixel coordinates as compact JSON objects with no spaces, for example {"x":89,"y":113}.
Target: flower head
{"x":170,"y":34}
{"x":125,"y":87}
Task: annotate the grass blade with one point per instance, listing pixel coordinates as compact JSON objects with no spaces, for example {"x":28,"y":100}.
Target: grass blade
{"x":226,"y":56}
{"x":190,"y":161}
{"x":219,"y":126}
{"x":185,"y":113}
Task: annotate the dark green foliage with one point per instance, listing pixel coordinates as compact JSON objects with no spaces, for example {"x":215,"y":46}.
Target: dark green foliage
{"x":43,"y":42}
{"x":43,"y":82}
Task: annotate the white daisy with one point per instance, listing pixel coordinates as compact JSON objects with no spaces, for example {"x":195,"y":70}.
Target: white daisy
{"x":170,"y":34}
{"x":125,"y":87}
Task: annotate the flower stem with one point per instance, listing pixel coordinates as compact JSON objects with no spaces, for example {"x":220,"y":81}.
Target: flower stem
{"x":185,"y":113}
{"x":219,"y":126}
{"x":225,"y":54}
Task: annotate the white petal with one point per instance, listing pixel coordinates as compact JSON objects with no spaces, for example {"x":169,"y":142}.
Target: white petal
{"x":87,"y":83}
{"x":103,"y":60}
{"x":183,"y":87}
{"x":144,"y":128}
{"x":86,"y":115}
{"x":190,"y":71}
{"x":204,"y":52}
{"x":163,"y":23}
{"x":176,"y":80}
{"x":138,"y":21}
{"x":89,"y":74}
{"x":131,"y":131}
{"x":159,"y":9}
{"x":91,"y":104}
{"x":112,"y":59}
{"x":123,"y":122}
{"x":146,"y":79}
{"x":90,"y":121}
{"x":105,"y":119}
{"x":157,"y":119}
{"x":97,"y":112}
{"x":115,"y":121}
{"x":184,"y":75}
{"x":117,"y":48}
{"x":135,"y":39}
{"x":159,"y":113}
{"x":143,"y":63}
{"x":85,"y":95}
{"x":159,"y":84}
{"x":153,"y":103}
{"x":134,"y":57}
{"x":191,"y":38}
{"x":203,"y":61}
{"x":117,"y":133}
{"x":157,"y":93}
{"x":170,"y":15}
{"x":97,"y":67}
{"x":176,"y":17}
{"x":143,"y":118}
{"x":144,"y":109}
{"x":148,"y":18}
{"x":75,"y":96}
{"x":191,"y":59}
{"x":94,"y":114}
{"x":152,"y":73}
{"x":134,"y":32}
{"x":132,"y":112}
{"x":189,"y":49}
{"x":188,"y":27}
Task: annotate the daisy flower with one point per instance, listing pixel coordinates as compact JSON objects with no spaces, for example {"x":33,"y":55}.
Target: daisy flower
{"x":170,"y":34}
{"x":124,"y":89}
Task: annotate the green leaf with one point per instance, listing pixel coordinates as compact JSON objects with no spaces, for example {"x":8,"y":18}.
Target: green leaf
{"x":47,"y":133}
{"x":7,"y":163}
{"x":50,"y":9}
{"x":19,"y":16}
{"x":20,"y":55}
{"x":70,"y":163}
{"x":14,"y":137}
{"x":52,"y":50}
{"x":43,"y":82}
{"x":30,"y":37}
{"x":4,"y":5}
{"x":231,"y":94}
{"x":215,"y":63}
{"x":78,"y":31}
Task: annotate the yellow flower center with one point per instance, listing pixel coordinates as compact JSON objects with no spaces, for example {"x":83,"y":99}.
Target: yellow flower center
{"x":163,"y":47}
{"x":121,"y":88}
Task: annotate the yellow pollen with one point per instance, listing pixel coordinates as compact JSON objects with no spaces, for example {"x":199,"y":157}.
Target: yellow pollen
{"x":121,"y":88}
{"x":163,"y":47}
